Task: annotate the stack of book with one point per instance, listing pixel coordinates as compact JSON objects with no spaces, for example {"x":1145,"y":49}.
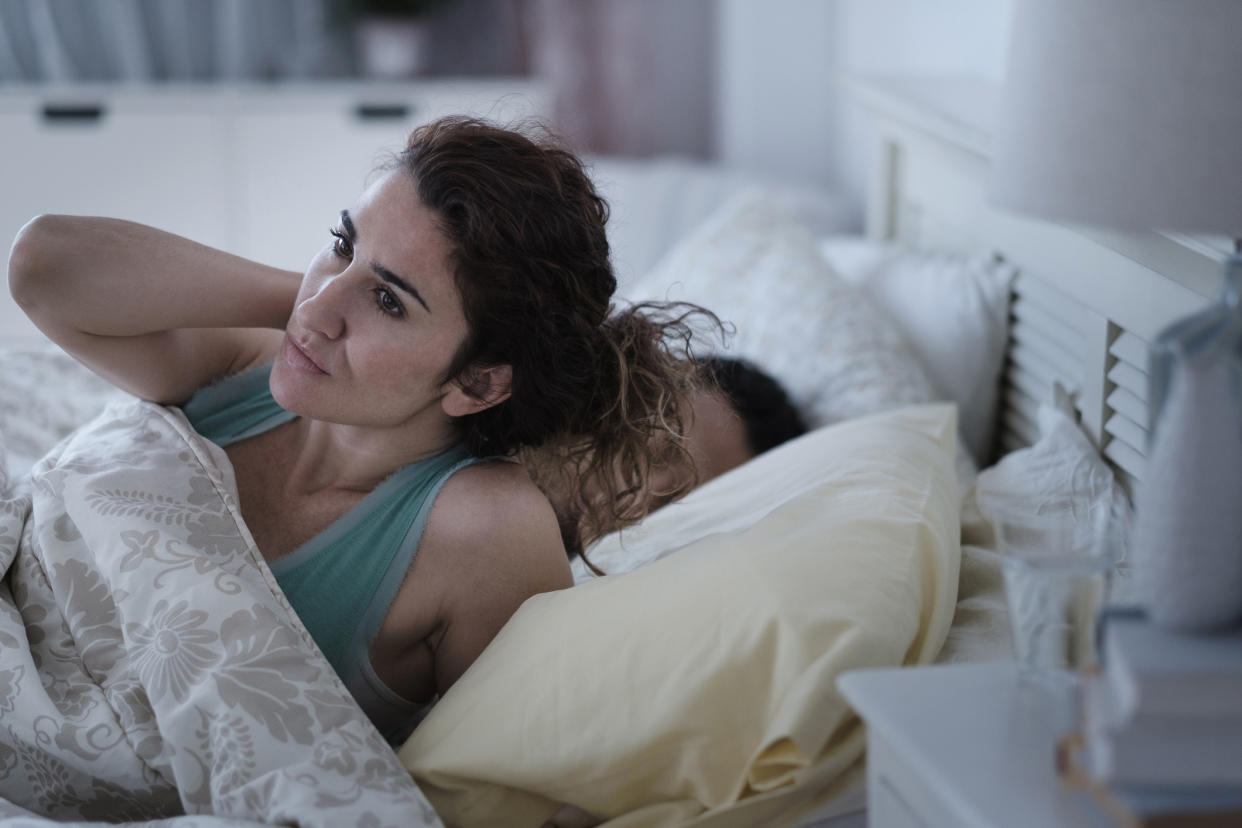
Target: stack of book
{"x":1160,"y":739}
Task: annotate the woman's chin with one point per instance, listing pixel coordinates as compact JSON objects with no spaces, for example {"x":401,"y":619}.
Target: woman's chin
{"x":286,"y":390}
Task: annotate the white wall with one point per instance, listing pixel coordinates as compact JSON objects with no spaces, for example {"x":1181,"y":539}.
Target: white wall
{"x":923,"y":36}
{"x":774,"y":62}
{"x":778,"y":108}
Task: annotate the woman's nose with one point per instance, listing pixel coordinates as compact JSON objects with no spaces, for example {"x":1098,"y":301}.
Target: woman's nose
{"x":324,"y":310}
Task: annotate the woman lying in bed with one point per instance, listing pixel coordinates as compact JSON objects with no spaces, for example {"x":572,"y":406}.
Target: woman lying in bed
{"x":370,"y":408}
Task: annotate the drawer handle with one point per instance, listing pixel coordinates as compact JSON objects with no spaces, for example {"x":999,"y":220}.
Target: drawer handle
{"x":382,"y":112}
{"x":73,"y":113}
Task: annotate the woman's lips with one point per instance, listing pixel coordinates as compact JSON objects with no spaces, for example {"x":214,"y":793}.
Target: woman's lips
{"x":301,"y":360}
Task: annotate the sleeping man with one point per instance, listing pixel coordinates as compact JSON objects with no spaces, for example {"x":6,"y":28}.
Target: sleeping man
{"x":738,"y":412}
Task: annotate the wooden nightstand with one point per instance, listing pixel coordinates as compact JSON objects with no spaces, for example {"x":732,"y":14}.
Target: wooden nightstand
{"x":965,"y":745}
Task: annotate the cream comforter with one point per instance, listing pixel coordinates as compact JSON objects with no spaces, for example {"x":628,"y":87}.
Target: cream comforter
{"x":149,"y":665}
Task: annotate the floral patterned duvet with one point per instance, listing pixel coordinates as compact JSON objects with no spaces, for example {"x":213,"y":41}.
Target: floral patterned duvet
{"x":149,"y":666}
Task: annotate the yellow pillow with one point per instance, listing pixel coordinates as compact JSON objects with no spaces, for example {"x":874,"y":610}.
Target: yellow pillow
{"x":705,"y":680}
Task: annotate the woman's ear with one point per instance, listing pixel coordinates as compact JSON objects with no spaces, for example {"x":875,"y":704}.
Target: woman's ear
{"x":477,"y":389}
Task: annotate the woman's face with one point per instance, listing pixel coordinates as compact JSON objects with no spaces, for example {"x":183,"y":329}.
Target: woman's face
{"x":378,"y":318}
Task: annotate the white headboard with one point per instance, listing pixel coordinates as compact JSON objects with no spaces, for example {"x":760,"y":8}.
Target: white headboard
{"x":1086,"y":302}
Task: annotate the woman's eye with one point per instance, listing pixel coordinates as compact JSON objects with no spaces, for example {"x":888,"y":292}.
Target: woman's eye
{"x":342,"y":246}
{"x":388,"y":303}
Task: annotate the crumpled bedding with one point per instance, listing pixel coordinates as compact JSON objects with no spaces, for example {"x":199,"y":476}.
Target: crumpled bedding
{"x":44,"y":395}
{"x":150,"y":668}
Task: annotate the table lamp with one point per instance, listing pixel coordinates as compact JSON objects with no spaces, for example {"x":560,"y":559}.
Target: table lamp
{"x":1127,"y":114}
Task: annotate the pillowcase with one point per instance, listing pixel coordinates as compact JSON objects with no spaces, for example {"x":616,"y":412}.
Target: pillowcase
{"x":705,"y":681}
{"x":758,"y":267}
{"x":953,"y":311}
{"x":1060,"y":474}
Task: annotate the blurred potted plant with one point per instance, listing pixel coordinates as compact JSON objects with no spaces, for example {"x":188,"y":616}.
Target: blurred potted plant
{"x":391,"y":36}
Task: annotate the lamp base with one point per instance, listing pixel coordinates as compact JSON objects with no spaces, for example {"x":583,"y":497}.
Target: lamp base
{"x":1188,"y":533}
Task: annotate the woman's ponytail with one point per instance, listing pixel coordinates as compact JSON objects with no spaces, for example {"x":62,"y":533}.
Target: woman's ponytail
{"x":599,"y":476}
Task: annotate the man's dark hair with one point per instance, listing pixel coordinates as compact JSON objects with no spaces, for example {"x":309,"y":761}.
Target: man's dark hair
{"x":766,"y":411}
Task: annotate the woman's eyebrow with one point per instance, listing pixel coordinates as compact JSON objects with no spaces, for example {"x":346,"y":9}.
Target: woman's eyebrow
{"x":381,"y":271}
{"x":392,"y":278}
{"x":348,"y":224}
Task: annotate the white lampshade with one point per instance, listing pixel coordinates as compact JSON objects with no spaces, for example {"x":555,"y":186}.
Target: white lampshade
{"x":1125,"y":114}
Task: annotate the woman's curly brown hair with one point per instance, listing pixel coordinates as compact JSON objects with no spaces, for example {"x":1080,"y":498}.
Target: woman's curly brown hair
{"x":599,"y":397}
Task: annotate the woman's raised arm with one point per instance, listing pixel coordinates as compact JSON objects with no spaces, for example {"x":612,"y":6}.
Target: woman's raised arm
{"x":154,"y":313}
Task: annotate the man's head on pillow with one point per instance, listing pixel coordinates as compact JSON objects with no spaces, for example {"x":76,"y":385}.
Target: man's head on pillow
{"x":738,"y":412}
{"x":759,"y":400}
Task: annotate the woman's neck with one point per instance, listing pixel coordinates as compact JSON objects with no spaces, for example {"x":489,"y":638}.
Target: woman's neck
{"x":335,"y":456}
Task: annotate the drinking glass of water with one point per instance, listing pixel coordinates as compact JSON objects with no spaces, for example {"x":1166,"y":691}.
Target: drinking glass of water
{"x":1054,"y":591}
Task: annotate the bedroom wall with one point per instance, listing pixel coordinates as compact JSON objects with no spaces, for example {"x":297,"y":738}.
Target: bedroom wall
{"x":779,"y":110}
{"x":774,"y":61}
{"x":630,"y":78}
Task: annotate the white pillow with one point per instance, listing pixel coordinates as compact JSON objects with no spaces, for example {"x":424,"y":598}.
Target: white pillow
{"x":1061,"y":474}
{"x":952,"y":309}
{"x":756,"y":265}
{"x":656,"y":202}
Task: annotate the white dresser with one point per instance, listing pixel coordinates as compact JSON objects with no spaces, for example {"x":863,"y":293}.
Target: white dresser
{"x":967,"y":746}
{"x":259,"y":170}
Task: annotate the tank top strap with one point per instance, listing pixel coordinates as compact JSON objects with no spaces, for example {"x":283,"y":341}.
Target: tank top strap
{"x":389,"y":711}
{"x":236,"y":407}
{"x":343,"y":581}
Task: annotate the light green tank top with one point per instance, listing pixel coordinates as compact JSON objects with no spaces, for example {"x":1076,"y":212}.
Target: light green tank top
{"x":341,"y":582}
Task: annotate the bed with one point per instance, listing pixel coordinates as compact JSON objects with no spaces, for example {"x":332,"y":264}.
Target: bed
{"x":695,"y":684}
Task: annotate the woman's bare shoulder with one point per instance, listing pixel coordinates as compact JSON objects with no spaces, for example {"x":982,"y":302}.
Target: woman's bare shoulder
{"x":491,"y":542}
{"x":493,"y":513}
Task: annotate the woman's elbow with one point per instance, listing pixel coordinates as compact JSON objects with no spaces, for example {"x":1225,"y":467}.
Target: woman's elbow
{"x":30,"y":260}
